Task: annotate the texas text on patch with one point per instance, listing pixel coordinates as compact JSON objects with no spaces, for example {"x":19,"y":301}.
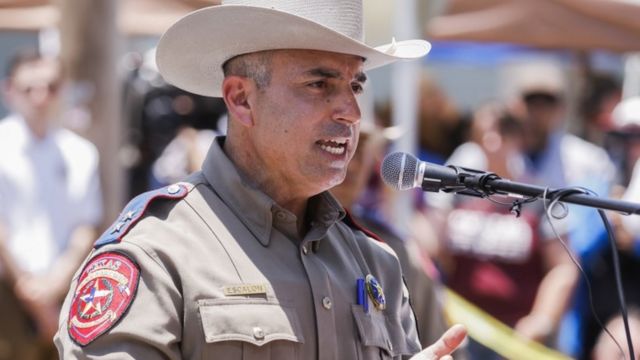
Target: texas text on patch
{"x":104,"y":291}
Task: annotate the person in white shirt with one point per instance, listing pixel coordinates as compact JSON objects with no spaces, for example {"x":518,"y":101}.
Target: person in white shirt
{"x":626,"y":119}
{"x":50,"y":206}
{"x":559,"y":159}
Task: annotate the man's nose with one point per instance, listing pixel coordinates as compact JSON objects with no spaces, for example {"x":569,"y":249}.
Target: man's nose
{"x":348,"y":109}
{"x":40,"y":94}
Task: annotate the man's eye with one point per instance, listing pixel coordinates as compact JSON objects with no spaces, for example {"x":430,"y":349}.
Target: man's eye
{"x":318,"y":84}
{"x":357,"y":88}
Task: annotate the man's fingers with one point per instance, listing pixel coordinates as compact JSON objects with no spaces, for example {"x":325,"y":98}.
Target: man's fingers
{"x":447,"y":343}
{"x":455,"y":335}
{"x":450,"y":340}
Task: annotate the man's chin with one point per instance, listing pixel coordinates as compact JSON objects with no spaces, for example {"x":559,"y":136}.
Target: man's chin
{"x":337,"y":180}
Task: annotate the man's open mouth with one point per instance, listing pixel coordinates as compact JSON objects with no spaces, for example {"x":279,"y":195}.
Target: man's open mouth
{"x":335,"y":147}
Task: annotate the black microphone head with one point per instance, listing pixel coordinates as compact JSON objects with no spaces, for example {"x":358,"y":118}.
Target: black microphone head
{"x":399,"y":170}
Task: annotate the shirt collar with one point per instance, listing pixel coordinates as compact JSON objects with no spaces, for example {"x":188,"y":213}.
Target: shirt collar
{"x":254,"y":208}
{"x":25,"y":136}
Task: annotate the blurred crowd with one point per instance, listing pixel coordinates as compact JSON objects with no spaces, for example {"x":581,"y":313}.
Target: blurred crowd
{"x":516,"y":266}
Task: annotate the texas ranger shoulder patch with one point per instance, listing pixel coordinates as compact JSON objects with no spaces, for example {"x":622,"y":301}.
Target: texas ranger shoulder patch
{"x":106,"y":287}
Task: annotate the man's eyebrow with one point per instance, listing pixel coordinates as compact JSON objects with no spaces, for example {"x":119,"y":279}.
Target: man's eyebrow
{"x":334,"y":74}
{"x":324,"y":72}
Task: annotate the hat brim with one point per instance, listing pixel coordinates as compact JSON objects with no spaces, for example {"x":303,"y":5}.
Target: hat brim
{"x":191,"y":53}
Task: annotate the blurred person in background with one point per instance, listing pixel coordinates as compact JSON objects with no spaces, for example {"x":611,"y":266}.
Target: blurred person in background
{"x":363,"y":206}
{"x":441,"y":126}
{"x":441,"y":129}
{"x":606,"y":349}
{"x":601,"y":93}
{"x":626,"y":117}
{"x":509,"y":266}
{"x":624,"y":140}
{"x":554,"y":157}
{"x":169,"y":129}
{"x":558,"y":159}
{"x":183,"y":155}
{"x":50,"y":205}
{"x":597,"y":256}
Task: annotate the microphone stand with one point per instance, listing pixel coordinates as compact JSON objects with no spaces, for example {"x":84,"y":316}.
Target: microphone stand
{"x":483,"y":184}
{"x":478,"y":183}
{"x":403,"y":171}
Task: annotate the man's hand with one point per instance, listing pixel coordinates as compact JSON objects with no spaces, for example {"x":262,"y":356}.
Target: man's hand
{"x":442,"y":348}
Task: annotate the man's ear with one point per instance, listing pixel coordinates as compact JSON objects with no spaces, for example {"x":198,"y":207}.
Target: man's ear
{"x":235,"y":93}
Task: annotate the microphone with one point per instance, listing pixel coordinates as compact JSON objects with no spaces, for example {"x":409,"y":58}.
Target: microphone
{"x":404,"y":171}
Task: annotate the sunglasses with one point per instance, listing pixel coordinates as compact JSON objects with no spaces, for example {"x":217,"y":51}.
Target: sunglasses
{"x":533,"y":99}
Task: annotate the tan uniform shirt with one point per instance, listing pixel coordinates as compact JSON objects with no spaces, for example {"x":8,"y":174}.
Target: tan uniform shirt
{"x":195,"y":253}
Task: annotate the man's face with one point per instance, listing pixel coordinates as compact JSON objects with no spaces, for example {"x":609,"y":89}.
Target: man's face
{"x":307,"y":118}
{"x":543,"y":114}
{"x":33,"y":89}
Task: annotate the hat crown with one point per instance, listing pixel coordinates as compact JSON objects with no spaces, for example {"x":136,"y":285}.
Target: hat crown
{"x":343,"y":16}
{"x":627,"y":113}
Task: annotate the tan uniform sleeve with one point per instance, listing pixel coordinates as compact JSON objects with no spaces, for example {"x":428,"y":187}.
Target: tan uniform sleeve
{"x":149,"y":329}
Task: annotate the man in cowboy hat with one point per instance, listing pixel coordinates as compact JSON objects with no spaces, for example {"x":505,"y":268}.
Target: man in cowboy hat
{"x":251,"y":258}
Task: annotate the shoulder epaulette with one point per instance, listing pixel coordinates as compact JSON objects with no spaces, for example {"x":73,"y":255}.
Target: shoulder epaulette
{"x":351,"y":222}
{"x":134,"y":210}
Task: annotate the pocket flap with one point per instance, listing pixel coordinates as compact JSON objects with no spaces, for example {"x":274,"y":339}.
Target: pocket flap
{"x":372,"y":328}
{"x":254,"y":322}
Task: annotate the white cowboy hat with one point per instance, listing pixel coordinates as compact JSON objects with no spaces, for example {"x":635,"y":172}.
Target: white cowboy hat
{"x":626,"y":115}
{"x":191,"y":53}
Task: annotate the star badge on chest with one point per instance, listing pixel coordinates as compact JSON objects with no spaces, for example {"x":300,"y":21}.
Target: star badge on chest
{"x":375,"y":292}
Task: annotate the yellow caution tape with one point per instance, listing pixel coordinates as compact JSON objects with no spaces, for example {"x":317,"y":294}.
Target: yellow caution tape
{"x":493,"y":334}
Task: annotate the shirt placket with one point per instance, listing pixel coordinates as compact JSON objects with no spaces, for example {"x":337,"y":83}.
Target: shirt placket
{"x":322,"y":293}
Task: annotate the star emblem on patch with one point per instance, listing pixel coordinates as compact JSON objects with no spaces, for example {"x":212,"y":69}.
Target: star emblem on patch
{"x":95,"y":299}
{"x":105,"y":289}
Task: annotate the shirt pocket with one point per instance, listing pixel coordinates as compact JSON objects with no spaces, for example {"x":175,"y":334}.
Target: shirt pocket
{"x":374,"y":334}
{"x":250,"y":329}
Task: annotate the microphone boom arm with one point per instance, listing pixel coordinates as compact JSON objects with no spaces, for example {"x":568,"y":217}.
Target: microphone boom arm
{"x":484,"y":184}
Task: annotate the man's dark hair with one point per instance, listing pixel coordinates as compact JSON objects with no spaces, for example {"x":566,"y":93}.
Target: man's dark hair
{"x":599,"y":87}
{"x":256,"y":66}
{"x":21,"y":57}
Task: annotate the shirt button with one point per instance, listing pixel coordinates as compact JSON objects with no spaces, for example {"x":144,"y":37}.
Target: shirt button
{"x":326,"y":302}
{"x":305,"y":249}
{"x":327,"y":217}
{"x":281,"y":215}
{"x":173,"y":189}
{"x":258,"y":333}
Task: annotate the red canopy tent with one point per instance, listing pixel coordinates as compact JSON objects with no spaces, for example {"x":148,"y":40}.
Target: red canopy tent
{"x":571,"y":24}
